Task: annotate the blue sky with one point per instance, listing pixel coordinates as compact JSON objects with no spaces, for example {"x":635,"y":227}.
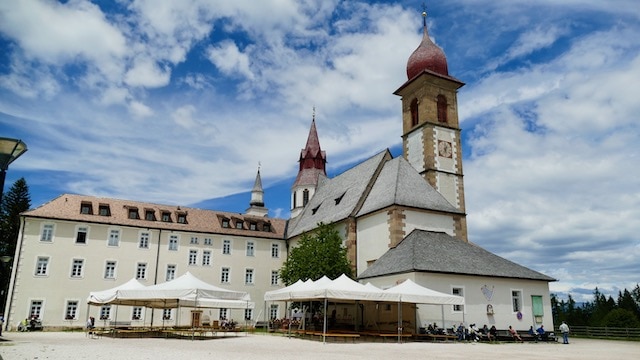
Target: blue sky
{"x":178,"y":102}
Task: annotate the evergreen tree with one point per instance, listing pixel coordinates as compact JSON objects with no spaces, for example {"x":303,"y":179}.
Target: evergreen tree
{"x":14,"y":202}
{"x":318,"y":254}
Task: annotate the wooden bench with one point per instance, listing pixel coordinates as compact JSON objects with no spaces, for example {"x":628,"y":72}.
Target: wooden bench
{"x":435,"y":337}
{"x":119,"y":323}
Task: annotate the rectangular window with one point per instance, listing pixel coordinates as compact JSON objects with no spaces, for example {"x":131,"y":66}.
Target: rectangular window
{"x":47,"y":233}
{"x":273,"y":311}
{"x":208,"y":241}
{"x":206,"y":258}
{"x":248,"y":314}
{"x":516,"y":300}
{"x":248,"y":276}
{"x":167,"y":314}
{"x":275,"y":250}
{"x":194,"y":240}
{"x":114,"y":238}
{"x":224,"y":275}
{"x":141,"y":271}
{"x":104,"y":210}
{"x":144,"y":240}
{"x":42,"y":266}
{"x":173,"y":242}
{"x":253,"y":226}
{"x":76,"y":268}
{"x":250,"y":248}
{"x":171,"y":272}
{"x":225,"y":223}
{"x":226,"y":247}
{"x":266,"y":227}
{"x":275,"y":276}
{"x":238,"y":224}
{"x":81,"y":235}
{"x":110,"y":270}
{"x":133,"y":213}
{"x":223,"y":313}
{"x":72,"y":309}
{"x":105,"y":312}
{"x":86,"y":208}
{"x":182,"y":218}
{"x":35,"y":308}
{"x":136,"y":313}
{"x":459,"y":292}
{"x":166,"y":216}
{"x":193,"y":257}
{"x":150,"y":215}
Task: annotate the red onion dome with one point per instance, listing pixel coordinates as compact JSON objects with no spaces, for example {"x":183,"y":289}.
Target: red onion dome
{"x":428,"y":56}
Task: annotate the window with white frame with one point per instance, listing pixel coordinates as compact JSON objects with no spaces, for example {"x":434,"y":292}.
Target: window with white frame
{"x":206,"y":258}
{"x":248,"y":314}
{"x":47,"y":233}
{"x":110,"y":269}
{"x":114,"y":237}
{"x":275,"y":250}
{"x":275,"y":276}
{"x":105,"y":312}
{"x":72,"y":309}
{"x":208,"y":241}
{"x":81,"y":235}
{"x":273,"y":311}
{"x":193,"y":257}
{"x":223,"y":313}
{"x":460,"y":292}
{"x":194,"y":240}
{"x":248,"y":276}
{"x":516,"y":300}
{"x":167,"y":314}
{"x":144,"y":240}
{"x":173,"y":242}
{"x":224,"y":275}
{"x":226,"y":247}
{"x":141,"y":271}
{"x":76,"y":268}
{"x":250,"y":248}
{"x":171,"y":272}
{"x":42,"y":266}
{"x":35,"y":308}
{"x":136,"y":313}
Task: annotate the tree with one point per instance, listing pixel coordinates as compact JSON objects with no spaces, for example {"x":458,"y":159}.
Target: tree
{"x":14,"y":202}
{"x":317,"y":254}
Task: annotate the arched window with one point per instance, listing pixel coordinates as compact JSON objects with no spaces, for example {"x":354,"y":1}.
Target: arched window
{"x":305,"y":197}
{"x":442,"y":109}
{"x":414,"y":112}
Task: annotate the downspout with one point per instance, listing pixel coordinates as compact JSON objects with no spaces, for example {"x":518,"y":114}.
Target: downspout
{"x":14,"y":274}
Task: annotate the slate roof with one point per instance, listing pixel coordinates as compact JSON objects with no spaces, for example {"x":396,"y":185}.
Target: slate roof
{"x":438,"y":252}
{"x":376,"y":183}
{"x":67,"y":207}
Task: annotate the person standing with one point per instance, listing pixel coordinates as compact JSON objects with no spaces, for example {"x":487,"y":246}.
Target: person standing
{"x":564,"y":329}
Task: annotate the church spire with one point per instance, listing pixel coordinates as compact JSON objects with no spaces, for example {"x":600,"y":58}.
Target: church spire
{"x":313,"y":162}
{"x":256,"y":205}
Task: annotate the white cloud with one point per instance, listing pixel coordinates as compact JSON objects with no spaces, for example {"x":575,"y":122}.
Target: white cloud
{"x":139,"y":109}
{"x":229,"y":59}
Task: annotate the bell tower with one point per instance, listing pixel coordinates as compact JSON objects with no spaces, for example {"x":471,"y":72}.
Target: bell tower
{"x":430,"y":127}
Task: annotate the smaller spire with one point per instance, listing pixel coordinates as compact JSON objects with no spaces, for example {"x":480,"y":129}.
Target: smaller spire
{"x":256,"y":205}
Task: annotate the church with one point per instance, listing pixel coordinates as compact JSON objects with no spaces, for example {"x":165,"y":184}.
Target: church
{"x":400,"y":218}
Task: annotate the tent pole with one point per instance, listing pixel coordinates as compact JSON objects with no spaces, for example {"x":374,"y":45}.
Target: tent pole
{"x":324,"y":326}
{"x":442,"y":309}
{"x":399,"y":319}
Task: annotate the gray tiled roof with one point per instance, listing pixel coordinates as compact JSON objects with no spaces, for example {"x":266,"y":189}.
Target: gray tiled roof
{"x":437,"y":252}
{"x":400,"y":184}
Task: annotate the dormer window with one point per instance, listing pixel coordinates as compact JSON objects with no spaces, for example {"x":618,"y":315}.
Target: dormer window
{"x":225,"y":223}
{"x":86,"y":208}
{"x":253,"y":226}
{"x":104,"y":210}
{"x":133,"y":213}
{"x":239,"y":224}
{"x":182,"y":218}
{"x":166,"y":216}
{"x":150,"y":215}
{"x":266,"y":227}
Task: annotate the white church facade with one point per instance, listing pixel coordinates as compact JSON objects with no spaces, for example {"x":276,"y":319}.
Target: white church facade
{"x":400,"y":218}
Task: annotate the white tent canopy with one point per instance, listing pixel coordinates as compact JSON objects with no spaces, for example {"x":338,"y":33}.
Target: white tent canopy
{"x":410,"y":292}
{"x":107,"y":296}
{"x":186,"y":290}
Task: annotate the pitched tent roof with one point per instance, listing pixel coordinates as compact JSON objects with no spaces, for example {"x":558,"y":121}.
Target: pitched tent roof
{"x":437,"y":252}
{"x":186,"y":290}
{"x":410,"y":292}
{"x":106,"y":296}
{"x":342,"y":288}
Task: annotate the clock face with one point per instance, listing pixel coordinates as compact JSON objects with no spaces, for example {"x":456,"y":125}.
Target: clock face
{"x":444,"y":149}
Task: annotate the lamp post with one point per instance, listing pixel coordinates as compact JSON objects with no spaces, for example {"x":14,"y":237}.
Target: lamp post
{"x":10,"y":149}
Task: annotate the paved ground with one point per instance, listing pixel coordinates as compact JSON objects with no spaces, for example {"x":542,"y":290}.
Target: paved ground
{"x":69,"y":346}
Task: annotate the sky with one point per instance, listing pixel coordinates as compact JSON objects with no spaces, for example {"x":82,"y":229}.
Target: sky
{"x":181,"y":102}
